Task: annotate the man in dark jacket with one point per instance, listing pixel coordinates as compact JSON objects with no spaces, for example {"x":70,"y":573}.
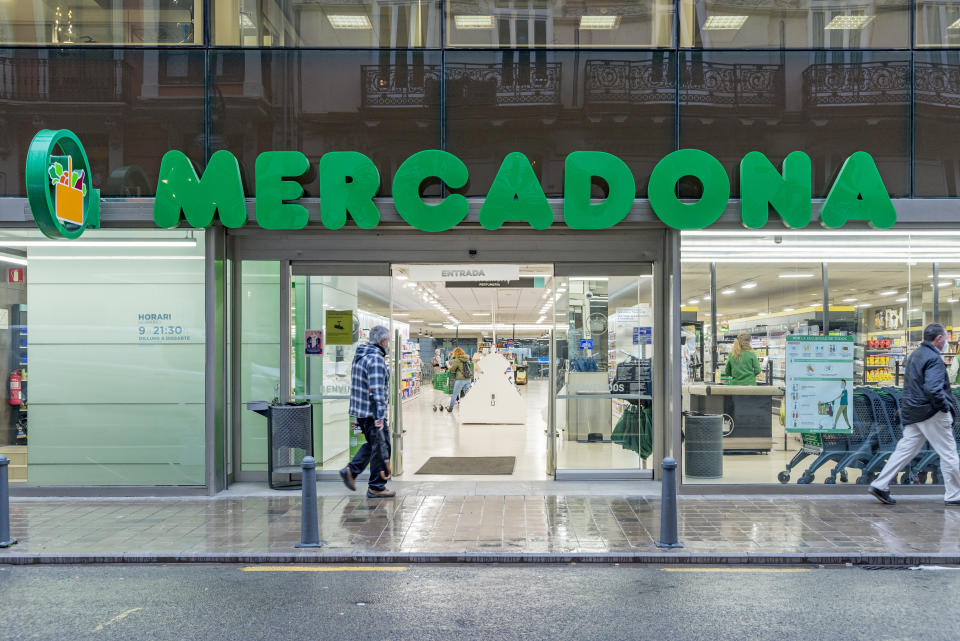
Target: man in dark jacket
{"x":368,"y":403}
{"x":926,"y":413}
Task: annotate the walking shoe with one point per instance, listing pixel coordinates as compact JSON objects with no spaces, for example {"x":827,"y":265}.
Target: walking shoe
{"x":883,"y":496}
{"x":347,"y":476}
{"x":952,"y":503}
{"x":380,"y":494}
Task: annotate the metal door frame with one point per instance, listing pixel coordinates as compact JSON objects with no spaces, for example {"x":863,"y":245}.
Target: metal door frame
{"x":346,"y":252}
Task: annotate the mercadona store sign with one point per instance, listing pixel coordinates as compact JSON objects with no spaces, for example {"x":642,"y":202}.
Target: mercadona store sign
{"x":64,"y":201}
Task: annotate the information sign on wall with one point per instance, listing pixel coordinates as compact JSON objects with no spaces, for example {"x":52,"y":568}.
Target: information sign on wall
{"x":339,"y":329}
{"x":819,"y":384}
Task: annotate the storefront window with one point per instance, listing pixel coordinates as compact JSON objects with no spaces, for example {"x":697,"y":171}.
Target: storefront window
{"x":605,"y":396}
{"x":92,"y":22}
{"x":105,"y":339}
{"x":836,"y":103}
{"x":798,"y":25}
{"x":881,"y":295}
{"x":387,"y":106}
{"x":326,"y":23}
{"x":548,"y":104}
{"x":553,"y":23}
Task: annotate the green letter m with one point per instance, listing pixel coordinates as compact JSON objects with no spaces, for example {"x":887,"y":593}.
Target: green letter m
{"x":180,"y":189}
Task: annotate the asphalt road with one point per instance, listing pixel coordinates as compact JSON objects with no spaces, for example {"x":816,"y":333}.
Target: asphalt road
{"x":214,"y":603}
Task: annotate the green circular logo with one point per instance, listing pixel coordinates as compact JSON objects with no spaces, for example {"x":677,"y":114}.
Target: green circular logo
{"x":59,"y":186}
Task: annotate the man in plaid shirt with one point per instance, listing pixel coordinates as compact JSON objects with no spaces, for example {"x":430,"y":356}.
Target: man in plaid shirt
{"x":368,"y":403}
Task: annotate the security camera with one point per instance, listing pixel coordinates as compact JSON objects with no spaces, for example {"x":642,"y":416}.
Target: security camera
{"x":589,"y":294}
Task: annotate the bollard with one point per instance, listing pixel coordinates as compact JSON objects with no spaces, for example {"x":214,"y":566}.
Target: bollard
{"x":5,"y":540}
{"x":668,"y":506}
{"x":309,"y":528}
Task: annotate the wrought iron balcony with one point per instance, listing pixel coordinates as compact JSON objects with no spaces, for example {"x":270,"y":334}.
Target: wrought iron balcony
{"x":733,"y":86}
{"x":628,"y":82}
{"x":937,"y":85}
{"x":858,"y":84}
{"x":400,"y":85}
{"x":61,"y":79}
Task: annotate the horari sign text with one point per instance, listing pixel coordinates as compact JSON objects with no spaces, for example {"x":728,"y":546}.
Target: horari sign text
{"x":349,"y":181}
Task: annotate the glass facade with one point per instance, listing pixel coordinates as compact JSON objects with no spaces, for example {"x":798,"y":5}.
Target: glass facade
{"x":880,"y":290}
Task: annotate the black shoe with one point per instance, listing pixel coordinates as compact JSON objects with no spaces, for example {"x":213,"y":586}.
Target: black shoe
{"x":380,"y":494}
{"x":952,"y":503}
{"x":347,"y":476}
{"x":884,"y":496}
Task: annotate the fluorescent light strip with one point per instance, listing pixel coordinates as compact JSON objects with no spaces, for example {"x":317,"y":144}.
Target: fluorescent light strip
{"x":97,"y":243}
{"x":12,"y":260}
{"x":473,"y":22}
{"x":724,"y":23}
{"x":599,"y":22}
{"x":796,"y":275}
{"x":350,"y":22}
{"x":849,"y":23}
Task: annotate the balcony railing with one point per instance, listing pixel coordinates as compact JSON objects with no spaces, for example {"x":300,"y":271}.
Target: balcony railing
{"x":400,"y":85}
{"x":859,"y":84}
{"x":628,"y":82}
{"x":736,"y":86}
{"x":938,"y":84}
{"x":61,"y":80}
{"x":503,"y":85}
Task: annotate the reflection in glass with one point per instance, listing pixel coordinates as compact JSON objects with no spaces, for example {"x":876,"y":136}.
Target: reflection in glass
{"x":129,"y":107}
{"x":798,"y":24}
{"x":386,"y":105}
{"x":936,"y":126}
{"x":326,"y":23}
{"x":828,"y":104}
{"x":95,"y":22}
{"x":938,"y":23}
{"x":548,"y":104}
{"x":555,"y":23}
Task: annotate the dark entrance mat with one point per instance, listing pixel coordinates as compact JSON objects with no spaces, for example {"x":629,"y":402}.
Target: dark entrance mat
{"x":469,"y":465}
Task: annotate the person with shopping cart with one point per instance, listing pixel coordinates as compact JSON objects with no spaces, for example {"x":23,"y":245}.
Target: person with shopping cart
{"x":927,"y":415}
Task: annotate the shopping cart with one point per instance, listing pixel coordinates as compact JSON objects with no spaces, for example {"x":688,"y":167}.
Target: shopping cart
{"x":862,"y":443}
{"x":889,"y":432}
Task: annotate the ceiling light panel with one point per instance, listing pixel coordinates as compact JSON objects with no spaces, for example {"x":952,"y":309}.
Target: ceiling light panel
{"x":849,"y":23}
{"x":473,"y":22}
{"x":724,"y":23}
{"x":599,"y":22}
{"x":350,"y":22}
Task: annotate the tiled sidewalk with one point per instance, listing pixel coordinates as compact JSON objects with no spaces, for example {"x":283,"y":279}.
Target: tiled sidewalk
{"x":352,"y":526}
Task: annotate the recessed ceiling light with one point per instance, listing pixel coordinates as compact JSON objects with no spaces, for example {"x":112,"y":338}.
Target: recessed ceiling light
{"x":727,"y":292}
{"x":473,"y":22}
{"x":796,"y":275}
{"x":481,"y":313}
{"x":901,"y":300}
{"x":788,"y":309}
{"x":748,"y":286}
{"x":914,"y":309}
{"x":401,"y":313}
{"x":849,"y":23}
{"x":350,"y":22}
{"x":599,"y":22}
{"x":864,"y":305}
{"x":951,"y":300}
{"x":944,"y":283}
{"x":891,"y":292}
{"x":706,"y":297}
{"x":692,"y":301}
{"x":849,"y":300}
{"x":723,"y":23}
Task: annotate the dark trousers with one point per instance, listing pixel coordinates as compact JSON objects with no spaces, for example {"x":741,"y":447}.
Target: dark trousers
{"x":366,"y":453}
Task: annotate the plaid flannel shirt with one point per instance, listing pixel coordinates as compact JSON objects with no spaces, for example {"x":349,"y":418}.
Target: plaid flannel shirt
{"x":368,"y":383}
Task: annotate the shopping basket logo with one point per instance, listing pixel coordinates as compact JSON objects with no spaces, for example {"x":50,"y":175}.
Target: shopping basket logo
{"x":62,"y":198}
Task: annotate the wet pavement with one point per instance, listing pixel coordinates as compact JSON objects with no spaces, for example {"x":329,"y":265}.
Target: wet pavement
{"x":504,"y":524}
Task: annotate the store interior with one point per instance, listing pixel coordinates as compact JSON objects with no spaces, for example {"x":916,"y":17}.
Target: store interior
{"x":503,"y":328}
{"x":881,"y":290}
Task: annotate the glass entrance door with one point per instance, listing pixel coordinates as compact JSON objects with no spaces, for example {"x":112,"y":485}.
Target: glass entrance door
{"x":332,"y":310}
{"x":603,"y":365}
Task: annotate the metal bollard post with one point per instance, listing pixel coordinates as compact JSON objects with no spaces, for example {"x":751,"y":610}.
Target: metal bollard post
{"x":5,"y":539}
{"x":668,"y":506}
{"x":309,"y":528}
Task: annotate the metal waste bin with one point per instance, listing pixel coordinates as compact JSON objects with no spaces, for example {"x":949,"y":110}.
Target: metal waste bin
{"x":703,"y":446}
{"x":289,"y":440}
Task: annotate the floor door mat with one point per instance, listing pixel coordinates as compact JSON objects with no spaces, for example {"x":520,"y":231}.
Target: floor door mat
{"x":468,"y":465}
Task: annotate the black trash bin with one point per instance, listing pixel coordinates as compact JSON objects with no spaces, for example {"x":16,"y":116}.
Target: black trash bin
{"x":703,"y":445}
{"x":289,"y":440}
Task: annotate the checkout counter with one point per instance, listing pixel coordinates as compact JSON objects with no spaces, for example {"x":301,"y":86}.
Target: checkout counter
{"x":749,"y":407}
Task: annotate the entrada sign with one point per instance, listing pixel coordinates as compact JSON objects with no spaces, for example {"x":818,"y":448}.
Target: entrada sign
{"x":349,"y":181}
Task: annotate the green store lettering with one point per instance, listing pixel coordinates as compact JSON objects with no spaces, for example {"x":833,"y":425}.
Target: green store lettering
{"x":349,"y":181}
